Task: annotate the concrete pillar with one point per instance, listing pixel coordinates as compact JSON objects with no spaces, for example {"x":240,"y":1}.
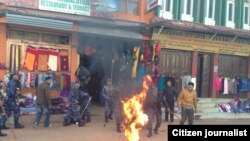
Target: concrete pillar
{"x":215,"y":64}
{"x":194,"y":64}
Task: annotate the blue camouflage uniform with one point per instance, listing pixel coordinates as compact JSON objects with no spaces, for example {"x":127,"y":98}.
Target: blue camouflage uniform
{"x":73,"y":111}
{"x":11,"y":105}
{"x":84,"y":99}
{"x":109,"y":102}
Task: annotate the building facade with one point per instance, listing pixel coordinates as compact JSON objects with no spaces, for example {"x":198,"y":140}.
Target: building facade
{"x":57,"y":37}
{"x":206,"y":40}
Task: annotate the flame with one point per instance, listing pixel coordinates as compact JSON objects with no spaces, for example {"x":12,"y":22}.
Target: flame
{"x":135,"y":118}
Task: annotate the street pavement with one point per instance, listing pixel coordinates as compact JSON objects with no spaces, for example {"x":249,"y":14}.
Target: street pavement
{"x":94,"y":131}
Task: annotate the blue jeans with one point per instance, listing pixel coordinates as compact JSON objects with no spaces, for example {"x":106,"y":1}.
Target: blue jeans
{"x":40,"y":109}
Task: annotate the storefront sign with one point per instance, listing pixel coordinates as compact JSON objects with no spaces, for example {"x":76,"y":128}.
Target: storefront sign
{"x":104,"y":5}
{"x":104,"y":8}
{"x":153,"y":3}
{"x":201,"y":42}
{"x":81,"y":7}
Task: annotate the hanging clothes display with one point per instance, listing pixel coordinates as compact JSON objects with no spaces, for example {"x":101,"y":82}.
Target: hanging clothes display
{"x":141,"y":73}
{"x":64,"y":60}
{"x":224,"y":85}
{"x":43,"y":55}
{"x":53,"y":58}
{"x":15,"y":57}
{"x":135,"y":64}
{"x":30,"y":58}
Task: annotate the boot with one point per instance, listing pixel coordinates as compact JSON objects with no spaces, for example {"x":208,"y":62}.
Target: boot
{"x":88,"y":119}
{"x":2,"y":134}
{"x":80,"y":123}
{"x":118,"y":128}
{"x":18,"y":126}
{"x":5,"y":127}
{"x":166,"y":116}
{"x":156,"y":131}
{"x":106,"y":119}
{"x":66,"y":122}
{"x":110,"y":117}
{"x":150,"y":133}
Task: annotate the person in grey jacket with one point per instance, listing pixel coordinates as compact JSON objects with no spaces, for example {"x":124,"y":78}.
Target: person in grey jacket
{"x":43,"y":102}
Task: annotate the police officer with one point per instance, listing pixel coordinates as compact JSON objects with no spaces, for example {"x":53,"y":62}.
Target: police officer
{"x":73,"y":113}
{"x":12,"y":95}
{"x":3,"y":116}
{"x":2,"y":119}
{"x":153,"y":108}
{"x":107,"y":93}
{"x":119,"y":91}
{"x":85,"y":102}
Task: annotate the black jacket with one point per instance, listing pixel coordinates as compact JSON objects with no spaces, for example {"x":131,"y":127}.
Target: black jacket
{"x":170,"y":94}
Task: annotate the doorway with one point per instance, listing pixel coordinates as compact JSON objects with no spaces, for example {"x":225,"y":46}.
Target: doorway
{"x":204,"y":75}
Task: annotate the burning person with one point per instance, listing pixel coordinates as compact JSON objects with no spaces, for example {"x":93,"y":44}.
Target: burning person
{"x":107,"y":93}
{"x":152,"y":107}
{"x":73,"y":113}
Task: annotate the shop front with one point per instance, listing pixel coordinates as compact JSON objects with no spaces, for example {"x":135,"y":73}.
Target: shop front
{"x":36,"y":51}
{"x":109,"y":52}
{"x":217,"y":63}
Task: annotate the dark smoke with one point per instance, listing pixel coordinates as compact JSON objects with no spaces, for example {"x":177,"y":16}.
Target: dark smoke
{"x":100,"y":63}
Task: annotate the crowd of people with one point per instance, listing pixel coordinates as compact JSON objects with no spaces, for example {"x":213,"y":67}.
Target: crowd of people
{"x":79,"y":103}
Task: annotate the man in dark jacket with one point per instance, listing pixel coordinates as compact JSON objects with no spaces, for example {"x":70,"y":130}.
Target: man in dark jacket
{"x":11,"y":105}
{"x":153,"y":108}
{"x":170,"y":94}
{"x":43,"y":102}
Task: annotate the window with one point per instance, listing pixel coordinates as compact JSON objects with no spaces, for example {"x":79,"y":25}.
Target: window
{"x":167,"y":9}
{"x":246,"y":14}
{"x":211,"y":9}
{"x":188,"y":7}
{"x":188,"y":11}
{"x":128,"y":6}
{"x":230,"y":14}
{"x":209,"y":20}
{"x":168,"y":6}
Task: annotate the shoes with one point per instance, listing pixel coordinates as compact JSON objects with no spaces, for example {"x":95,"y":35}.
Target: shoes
{"x":5,"y":128}
{"x":19,"y":126}
{"x":48,"y":126}
{"x":156,"y":131}
{"x":110,"y":117}
{"x":149,"y":134}
{"x":2,"y":134}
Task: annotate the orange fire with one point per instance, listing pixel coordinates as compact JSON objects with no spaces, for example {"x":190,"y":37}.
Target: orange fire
{"x":135,"y":118}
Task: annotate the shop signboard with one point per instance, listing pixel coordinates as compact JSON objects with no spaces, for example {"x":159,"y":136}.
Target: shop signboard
{"x":152,"y":4}
{"x":196,"y":42}
{"x":81,"y":7}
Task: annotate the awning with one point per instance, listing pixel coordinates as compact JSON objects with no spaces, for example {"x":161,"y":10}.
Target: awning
{"x":111,"y":31}
{"x":39,"y":22}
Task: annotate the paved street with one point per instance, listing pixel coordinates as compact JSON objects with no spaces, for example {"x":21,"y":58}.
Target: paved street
{"x":94,"y":131}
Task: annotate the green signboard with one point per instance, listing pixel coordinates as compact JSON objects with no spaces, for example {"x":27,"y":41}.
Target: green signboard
{"x":81,"y":7}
